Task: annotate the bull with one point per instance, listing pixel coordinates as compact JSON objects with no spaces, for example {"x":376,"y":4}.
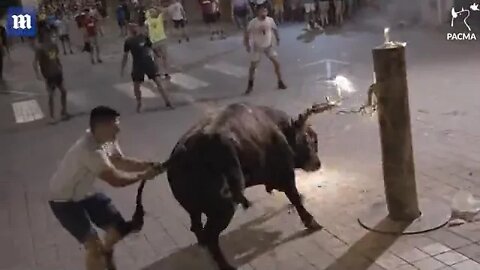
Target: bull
{"x":241,"y":146}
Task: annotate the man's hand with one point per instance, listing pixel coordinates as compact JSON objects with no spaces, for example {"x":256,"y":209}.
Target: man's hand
{"x":149,"y":174}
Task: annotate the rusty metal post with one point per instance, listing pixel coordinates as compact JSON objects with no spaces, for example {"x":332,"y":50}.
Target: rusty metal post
{"x":395,"y":132}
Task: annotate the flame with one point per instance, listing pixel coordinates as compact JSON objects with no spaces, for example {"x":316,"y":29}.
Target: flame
{"x":343,"y":85}
{"x":386,"y":34}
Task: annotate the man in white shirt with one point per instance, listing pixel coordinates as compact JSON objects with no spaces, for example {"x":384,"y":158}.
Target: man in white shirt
{"x":178,"y":16}
{"x":75,"y":202}
{"x":261,"y":30}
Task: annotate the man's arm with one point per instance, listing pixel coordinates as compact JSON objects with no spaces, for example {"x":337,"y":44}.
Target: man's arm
{"x":246,"y":37}
{"x":35,"y":65}
{"x":126,"y":49}
{"x":275,"y":31}
{"x":98,"y":163}
{"x":129,"y":164}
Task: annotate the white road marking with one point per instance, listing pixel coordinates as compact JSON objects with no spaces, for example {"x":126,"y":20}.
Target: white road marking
{"x":27,"y":111}
{"x":127,"y":88}
{"x":229,"y":69}
{"x":327,"y":61}
{"x":187,"y":81}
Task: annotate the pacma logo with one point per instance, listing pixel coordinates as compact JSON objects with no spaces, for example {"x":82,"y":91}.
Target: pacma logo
{"x":455,"y":15}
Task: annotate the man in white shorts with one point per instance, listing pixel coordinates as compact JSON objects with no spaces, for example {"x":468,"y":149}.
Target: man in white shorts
{"x":262,"y":29}
{"x":77,"y":204}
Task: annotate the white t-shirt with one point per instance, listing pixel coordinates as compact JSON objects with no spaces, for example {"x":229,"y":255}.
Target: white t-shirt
{"x":175,"y":11}
{"x":261,"y":32}
{"x":85,"y":160}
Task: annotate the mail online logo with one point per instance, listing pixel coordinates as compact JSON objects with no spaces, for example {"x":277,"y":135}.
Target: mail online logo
{"x":21,"y":22}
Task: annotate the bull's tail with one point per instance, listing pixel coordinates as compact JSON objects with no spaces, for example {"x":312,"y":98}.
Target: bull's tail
{"x":136,"y":223}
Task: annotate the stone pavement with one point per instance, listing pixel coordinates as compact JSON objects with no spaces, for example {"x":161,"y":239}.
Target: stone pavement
{"x":270,"y":236}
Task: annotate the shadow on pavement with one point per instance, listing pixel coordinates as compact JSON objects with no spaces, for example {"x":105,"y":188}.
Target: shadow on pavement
{"x":309,"y":36}
{"x":241,"y":246}
{"x":367,"y":250}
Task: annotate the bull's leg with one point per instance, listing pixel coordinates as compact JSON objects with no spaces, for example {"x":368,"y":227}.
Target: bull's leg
{"x":197,"y":227}
{"x":297,"y":201}
{"x":218,"y":221}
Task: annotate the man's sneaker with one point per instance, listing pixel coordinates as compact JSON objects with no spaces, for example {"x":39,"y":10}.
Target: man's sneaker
{"x":99,"y":60}
{"x":169,"y":105}
{"x":179,"y":41}
{"x":281,"y":85}
{"x":187,"y":39}
{"x":167,"y":76}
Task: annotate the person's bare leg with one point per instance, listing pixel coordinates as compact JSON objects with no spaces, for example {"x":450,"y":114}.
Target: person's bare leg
{"x":95,"y":253}
{"x":162,"y":92}
{"x":138,"y":95}
{"x":112,"y":236}
{"x":276,"y":65}
{"x":51,"y":103}
{"x":251,"y":76}
{"x":97,"y":50}
{"x":63,"y":100}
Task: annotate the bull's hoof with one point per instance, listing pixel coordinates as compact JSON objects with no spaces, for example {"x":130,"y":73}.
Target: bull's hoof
{"x":313,"y":225}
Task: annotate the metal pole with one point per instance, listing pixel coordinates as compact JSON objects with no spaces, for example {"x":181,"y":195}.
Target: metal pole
{"x":395,"y":132}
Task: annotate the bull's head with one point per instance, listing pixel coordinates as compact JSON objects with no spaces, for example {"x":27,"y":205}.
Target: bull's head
{"x":303,"y":139}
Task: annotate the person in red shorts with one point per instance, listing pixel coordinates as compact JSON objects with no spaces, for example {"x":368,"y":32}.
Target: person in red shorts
{"x":211,"y":15}
{"x":91,"y":36}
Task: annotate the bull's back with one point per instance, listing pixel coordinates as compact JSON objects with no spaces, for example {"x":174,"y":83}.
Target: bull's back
{"x":193,"y":173}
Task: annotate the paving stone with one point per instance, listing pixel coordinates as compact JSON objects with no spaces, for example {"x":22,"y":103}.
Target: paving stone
{"x":449,"y":238}
{"x":429,"y":264}
{"x":435,"y":248}
{"x":467,"y":265}
{"x":451,"y":257}
{"x":413,"y":255}
{"x":389,"y":261}
{"x":406,"y":267}
{"x":471,"y":251}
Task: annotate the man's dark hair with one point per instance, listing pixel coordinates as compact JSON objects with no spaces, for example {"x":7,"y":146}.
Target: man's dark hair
{"x":102,"y":114}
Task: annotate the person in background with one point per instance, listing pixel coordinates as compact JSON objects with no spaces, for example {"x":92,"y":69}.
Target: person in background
{"x":47,"y":57}
{"x":3,"y":48}
{"x":91,"y":34}
{"x":158,"y":38}
{"x":179,"y":18}
{"x":310,"y":14}
{"x":324,"y":6}
{"x":339,"y":9}
{"x":278,"y":9}
{"x":139,"y":46}
{"x":261,"y":30}
{"x":61,"y":25}
{"x":121,"y":20}
{"x":240,"y":12}
{"x":211,"y":15}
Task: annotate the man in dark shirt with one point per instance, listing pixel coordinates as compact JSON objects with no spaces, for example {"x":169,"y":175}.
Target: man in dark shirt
{"x":3,"y":48}
{"x":143,"y":64}
{"x":46,"y":56}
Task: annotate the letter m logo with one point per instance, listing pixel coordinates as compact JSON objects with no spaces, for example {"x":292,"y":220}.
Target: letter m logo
{"x":21,"y":22}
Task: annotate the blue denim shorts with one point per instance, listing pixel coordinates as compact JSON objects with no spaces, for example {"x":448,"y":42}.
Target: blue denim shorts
{"x":77,"y":217}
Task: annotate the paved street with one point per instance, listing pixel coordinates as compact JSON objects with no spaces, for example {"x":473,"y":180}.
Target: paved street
{"x":444,"y":107}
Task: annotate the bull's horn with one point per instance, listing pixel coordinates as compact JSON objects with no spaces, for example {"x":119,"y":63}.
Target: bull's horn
{"x":316,"y":108}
